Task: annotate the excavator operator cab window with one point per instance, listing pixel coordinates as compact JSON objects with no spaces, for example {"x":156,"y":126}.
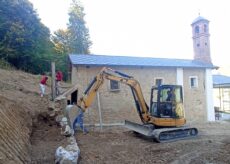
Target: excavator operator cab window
{"x":169,"y":100}
{"x":166,"y":97}
{"x":153,"y":103}
{"x":166,"y":102}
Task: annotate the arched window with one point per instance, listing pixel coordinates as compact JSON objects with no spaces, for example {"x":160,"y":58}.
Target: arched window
{"x":197,"y":29}
{"x":205,"y":28}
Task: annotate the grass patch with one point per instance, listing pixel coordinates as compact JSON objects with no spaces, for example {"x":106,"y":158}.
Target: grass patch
{"x":5,"y":65}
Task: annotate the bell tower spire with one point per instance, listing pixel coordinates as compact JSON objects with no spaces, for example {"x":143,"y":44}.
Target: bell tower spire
{"x":200,"y":36}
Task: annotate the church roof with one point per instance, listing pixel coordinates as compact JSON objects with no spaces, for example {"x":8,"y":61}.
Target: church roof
{"x":103,"y":60}
{"x":199,"y":18}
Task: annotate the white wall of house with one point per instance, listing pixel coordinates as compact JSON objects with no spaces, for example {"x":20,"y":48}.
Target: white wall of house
{"x":209,"y":95}
{"x":179,"y":77}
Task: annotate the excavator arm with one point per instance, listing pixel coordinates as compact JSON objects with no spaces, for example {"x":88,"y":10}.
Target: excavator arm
{"x":107,"y":73}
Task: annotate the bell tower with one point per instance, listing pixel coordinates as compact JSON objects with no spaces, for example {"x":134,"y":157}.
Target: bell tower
{"x":201,"y":43}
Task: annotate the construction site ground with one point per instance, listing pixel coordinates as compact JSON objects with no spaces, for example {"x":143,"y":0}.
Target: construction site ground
{"x":111,"y":145}
{"x":115,"y":145}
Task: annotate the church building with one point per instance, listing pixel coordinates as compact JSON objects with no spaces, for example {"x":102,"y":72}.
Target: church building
{"x":115,"y":100}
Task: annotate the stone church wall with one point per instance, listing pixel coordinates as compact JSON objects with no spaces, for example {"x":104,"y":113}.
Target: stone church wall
{"x":116,"y":106}
{"x":194,"y":98}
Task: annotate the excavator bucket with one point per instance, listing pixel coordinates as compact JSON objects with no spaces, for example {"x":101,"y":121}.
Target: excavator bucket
{"x":145,"y":130}
{"x":163,"y":134}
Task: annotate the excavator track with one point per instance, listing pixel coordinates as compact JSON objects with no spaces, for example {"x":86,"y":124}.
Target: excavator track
{"x":173,"y":134}
{"x":163,"y":134}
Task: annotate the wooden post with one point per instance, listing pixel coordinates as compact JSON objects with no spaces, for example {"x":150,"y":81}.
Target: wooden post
{"x":53,"y":84}
{"x":99,"y":109}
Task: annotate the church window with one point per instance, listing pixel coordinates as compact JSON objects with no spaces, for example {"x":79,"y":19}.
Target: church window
{"x":205,"y":28}
{"x":158,"y":81}
{"x":114,"y":85}
{"x":193,"y":80}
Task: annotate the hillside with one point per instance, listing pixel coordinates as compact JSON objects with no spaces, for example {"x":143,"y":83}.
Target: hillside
{"x":26,"y":135}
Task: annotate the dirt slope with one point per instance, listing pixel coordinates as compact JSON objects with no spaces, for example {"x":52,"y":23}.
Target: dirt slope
{"x":15,"y":129}
{"x":26,"y":136}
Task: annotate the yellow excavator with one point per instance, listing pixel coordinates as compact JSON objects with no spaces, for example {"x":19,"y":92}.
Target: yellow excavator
{"x":163,"y":121}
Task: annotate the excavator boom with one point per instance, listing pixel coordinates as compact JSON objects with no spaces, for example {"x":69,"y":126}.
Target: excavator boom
{"x":107,"y":73}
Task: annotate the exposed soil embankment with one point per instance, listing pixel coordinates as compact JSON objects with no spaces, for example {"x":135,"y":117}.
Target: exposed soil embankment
{"x":15,"y":129}
{"x":25,"y":130}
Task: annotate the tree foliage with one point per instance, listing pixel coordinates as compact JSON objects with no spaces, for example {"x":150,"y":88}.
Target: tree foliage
{"x":61,"y":41}
{"x":75,"y":39}
{"x":24,"y":40}
{"x":79,"y":38}
{"x":26,"y":43}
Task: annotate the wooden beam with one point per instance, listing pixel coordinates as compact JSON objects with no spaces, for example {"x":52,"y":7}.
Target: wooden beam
{"x":53,"y":84}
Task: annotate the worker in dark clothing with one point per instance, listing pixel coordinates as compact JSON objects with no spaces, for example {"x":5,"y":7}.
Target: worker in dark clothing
{"x":79,"y":121}
{"x":169,"y":98}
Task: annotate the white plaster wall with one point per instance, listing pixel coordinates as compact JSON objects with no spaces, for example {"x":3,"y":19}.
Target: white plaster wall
{"x":209,"y":95}
{"x":180,"y":78}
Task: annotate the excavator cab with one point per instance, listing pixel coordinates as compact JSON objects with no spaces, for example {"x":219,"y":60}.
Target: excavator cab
{"x":166,"y":101}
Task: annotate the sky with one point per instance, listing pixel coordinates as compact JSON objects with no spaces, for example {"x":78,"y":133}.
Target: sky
{"x":146,"y":28}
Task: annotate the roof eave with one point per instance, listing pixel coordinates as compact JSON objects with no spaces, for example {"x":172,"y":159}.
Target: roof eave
{"x":226,"y":85}
{"x":98,"y":65}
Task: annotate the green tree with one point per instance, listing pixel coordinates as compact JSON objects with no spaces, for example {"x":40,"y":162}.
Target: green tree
{"x":24,"y":40}
{"x":79,"y":39}
{"x":74,"y":39}
{"x":61,"y":41}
